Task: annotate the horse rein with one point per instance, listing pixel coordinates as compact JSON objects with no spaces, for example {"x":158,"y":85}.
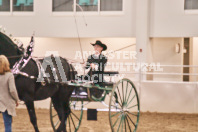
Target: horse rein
{"x":15,"y":56}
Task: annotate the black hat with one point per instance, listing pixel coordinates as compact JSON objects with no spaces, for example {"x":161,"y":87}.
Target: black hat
{"x":98,"y":42}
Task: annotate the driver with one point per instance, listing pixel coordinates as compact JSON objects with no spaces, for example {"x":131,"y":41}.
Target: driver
{"x":96,"y":62}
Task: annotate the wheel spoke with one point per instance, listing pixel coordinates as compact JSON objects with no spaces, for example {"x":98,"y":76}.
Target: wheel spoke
{"x":116,"y":121}
{"x":117,"y":101}
{"x":129,"y":95}
{"x":126,"y":91}
{"x":54,"y":115}
{"x":119,"y":124}
{"x":122,"y":91}
{"x":133,"y":106}
{"x":74,"y":115}
{"x":119,"y":95}
{"x":125,"y":124}
{"x":128,"y":124}
{"x":131,"y":120}
{"x":73,"y":122}
{"x":69,"y":123}
{"x":122,"y":123}
{"x":130,"y":100}
{"x":115,"y":114}
{"x":57,"y":123}
{"x":132,"y":113}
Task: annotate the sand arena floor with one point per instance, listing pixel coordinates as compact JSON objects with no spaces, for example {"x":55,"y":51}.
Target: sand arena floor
{"x":149,"y":122}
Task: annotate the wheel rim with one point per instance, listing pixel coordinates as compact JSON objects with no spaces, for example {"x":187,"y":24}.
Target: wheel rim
{"x":124,"y":107}
{"x":74,"y":119}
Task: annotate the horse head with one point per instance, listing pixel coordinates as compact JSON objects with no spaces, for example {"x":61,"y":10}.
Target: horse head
{"x":10,"y":49}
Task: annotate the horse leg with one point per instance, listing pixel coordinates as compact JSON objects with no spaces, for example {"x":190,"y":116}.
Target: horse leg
{"x":32,"y":114}
{"x":64,"y":115}
{"x":63,"y":112}
{"x":59,"y":109}
{"x":67,"y":112}
{"x":57,"y":106}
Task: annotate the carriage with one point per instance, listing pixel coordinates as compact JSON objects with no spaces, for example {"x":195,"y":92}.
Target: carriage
{"x":123,"y":104}
{"x":66,"y":109}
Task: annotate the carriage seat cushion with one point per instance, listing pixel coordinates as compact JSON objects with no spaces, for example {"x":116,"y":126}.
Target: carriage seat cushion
{"x":103,"y":84}
{"x":110,"y":73}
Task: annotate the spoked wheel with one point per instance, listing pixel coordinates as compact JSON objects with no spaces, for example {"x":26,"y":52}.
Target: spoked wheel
{"x":73,"y":121}
{"x":124,"y":107}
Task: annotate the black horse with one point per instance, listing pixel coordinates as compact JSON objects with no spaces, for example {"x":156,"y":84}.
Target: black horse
{"x":30,"y":90}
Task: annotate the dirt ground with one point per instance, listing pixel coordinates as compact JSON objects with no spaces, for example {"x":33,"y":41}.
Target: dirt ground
{"x":149,"y":122}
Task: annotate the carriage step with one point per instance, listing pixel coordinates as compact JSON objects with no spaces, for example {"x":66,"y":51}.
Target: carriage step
{"x":115,"y":110}
{"x":85,"y":109}
{"x":79,"y":96}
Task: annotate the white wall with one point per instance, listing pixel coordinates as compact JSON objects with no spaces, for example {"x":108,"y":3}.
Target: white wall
{"x":47,"y":25}
{"x":194,"y":57}
{"x":168,"y":19}
{"x":67,"y":47}
{"x":163,"y":52}
{"x":195,"y":51}
{"x":169,"y":97}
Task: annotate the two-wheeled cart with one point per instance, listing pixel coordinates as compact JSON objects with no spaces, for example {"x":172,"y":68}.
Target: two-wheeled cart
{"x":123,"y":107}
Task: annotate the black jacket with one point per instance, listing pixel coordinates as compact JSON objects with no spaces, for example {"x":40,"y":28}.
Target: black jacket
{"x":100,"y":61}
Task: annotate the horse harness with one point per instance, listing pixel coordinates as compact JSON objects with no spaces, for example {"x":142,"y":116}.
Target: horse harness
{"x":23,"y":61}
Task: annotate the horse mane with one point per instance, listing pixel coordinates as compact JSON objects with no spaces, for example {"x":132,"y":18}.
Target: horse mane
{"x":9,"y":41}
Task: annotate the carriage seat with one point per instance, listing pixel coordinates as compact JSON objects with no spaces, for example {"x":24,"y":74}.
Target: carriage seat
{"x":110,"y":73}
{"x":103,"y":84}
